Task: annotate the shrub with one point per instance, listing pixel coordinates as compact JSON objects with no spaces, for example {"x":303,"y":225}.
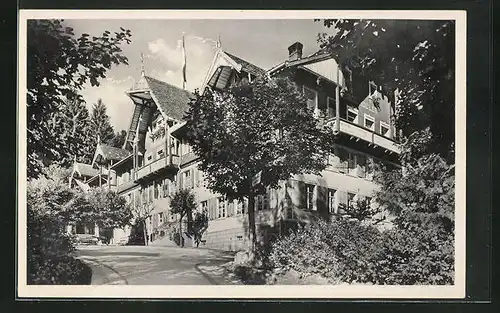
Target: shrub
{"x":348,"y":251}
{"x":324,"y":248}
{"x":414,"y":256}
{"x":61,"y":270}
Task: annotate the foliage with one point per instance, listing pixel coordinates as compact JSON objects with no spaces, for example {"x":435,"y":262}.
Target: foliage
{"x":62,"y":270}
{"x":183,"y":203}
{"x":422,"y":195}
{"x":265,"y":128}
{"x":348,"y":251}
{"x":100,"y":123}
{"x":58,"y":66}
{"x":110,"y":210}
{"x":118,"y":140}
{"x":199,"y":226}
{"x":414,"y":58}
{"x":141,"y":212}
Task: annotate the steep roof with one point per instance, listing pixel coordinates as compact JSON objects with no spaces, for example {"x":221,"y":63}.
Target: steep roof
{"x":247,"y":66}
{"x":172,"y":100}
{"x":85,"y":169}
{"x":113,"y":153}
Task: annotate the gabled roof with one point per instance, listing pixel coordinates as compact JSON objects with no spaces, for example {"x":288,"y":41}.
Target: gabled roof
{"x":113,"y":153}
{"x":247,"y":66}
{"x":313,"y":58}
{"x":173,"y":101}
{"x":84,"y":169}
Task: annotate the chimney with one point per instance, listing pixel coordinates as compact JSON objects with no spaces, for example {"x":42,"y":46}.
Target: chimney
{"x":295,"y":51}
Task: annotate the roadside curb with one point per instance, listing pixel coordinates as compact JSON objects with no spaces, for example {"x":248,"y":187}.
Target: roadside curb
{"x":217,"y":274}
{"x":97,"y":267}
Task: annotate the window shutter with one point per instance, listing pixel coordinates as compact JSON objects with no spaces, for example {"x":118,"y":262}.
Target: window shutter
{"x":303,"y":195}
{"x":196,"y":177}
{"x":191,"y":178}
{"x":322,"y":201}
{"x":212,"y":208}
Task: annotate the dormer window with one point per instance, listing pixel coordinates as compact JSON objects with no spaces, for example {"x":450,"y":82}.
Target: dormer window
{"x":369,"y":122}
{"x":352,"y":114}
{"x":384,"y":129}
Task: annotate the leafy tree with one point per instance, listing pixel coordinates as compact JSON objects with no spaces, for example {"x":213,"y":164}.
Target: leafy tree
{"x":414,"y":58}
{"x":58,"y":66}
{"x":265,"y":128}
{"x":100,"y":123}
{"x":200,"y":225}
{"x":141,"y":213}
{"x":110,"y":210}
{"x":183,"y":203}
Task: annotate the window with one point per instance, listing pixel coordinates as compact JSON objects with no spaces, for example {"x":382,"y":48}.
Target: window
{"x":187,"y":179}
{"x":204,"y":206}
{"x":160,"y":217}
{"x":384,"y":129}
{"x":352,"y":114}
{"x":350,"y":200}
{"x":150,"y":192}
{"x":331,"y":107}
{"x":149,"y":157}
{"x":161,"y":154}
{"x":166,"y":188}
{"x":311,"y":97}
{"x":221,"y":207}
{"x":369,"y":122}
{"x":332,"y":196}
{"x":156,"y":188}
{"x":372,"y":88}
{"x":309,"y":197}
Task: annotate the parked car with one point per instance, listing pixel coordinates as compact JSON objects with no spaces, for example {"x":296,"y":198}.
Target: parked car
{"x":87,"y":239}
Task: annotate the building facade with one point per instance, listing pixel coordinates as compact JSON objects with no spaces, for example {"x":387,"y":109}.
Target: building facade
{"x":156,"y":159}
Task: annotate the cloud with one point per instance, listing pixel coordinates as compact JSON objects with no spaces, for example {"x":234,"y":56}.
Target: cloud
{"x":118,"y":104}
{"x":164,"y":62}
{"x":199,"y":54}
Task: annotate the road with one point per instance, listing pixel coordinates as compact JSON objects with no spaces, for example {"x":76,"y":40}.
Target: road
{"x":150,"y":265}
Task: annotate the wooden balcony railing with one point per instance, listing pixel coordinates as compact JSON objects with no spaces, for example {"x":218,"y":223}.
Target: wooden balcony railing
{"x":365,"y":134}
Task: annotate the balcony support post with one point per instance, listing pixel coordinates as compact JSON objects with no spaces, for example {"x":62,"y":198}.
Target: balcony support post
{"x":337,"y":101}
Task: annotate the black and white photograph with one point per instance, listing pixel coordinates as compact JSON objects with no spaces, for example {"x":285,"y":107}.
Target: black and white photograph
{"x":271,"y":154}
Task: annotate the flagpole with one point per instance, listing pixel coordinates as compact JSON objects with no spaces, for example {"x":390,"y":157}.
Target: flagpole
{"x":184,"y":80}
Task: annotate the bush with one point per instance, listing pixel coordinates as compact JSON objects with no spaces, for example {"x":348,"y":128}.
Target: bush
{"x":347,"y":251}
{"x":61,"y":270}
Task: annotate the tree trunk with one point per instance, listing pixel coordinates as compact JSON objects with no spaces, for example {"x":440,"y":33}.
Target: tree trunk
{"x":181,"y":243}
{"x":144,"y":231}
{"x":251,"y":226}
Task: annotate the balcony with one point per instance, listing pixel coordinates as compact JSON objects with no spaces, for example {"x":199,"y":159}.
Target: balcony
{"x":157,"y":168}
{"x":125,"y":186}
{"x":365,"y":134}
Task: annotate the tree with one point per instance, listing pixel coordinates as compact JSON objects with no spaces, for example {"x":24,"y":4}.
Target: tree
{"x":75,"y":133}
{"x":141,"y":213}
{"x":110,"y":210}
{"x":414,"y":58}
{"x":100,"y":123}
{"x":266,"y":129}
{"x":58,"y":66}
{"x":118,"y":140}
{"x":183,"y":203}
{"x":200,"y":225}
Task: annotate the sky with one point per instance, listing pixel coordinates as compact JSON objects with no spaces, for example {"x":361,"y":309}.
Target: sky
{"x":261,"y":42}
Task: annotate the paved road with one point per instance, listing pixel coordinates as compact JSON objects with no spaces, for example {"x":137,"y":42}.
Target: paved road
{"x":140,"y":265}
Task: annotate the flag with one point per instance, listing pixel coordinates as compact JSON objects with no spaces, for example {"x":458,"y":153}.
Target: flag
{"x":184,"y":79}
